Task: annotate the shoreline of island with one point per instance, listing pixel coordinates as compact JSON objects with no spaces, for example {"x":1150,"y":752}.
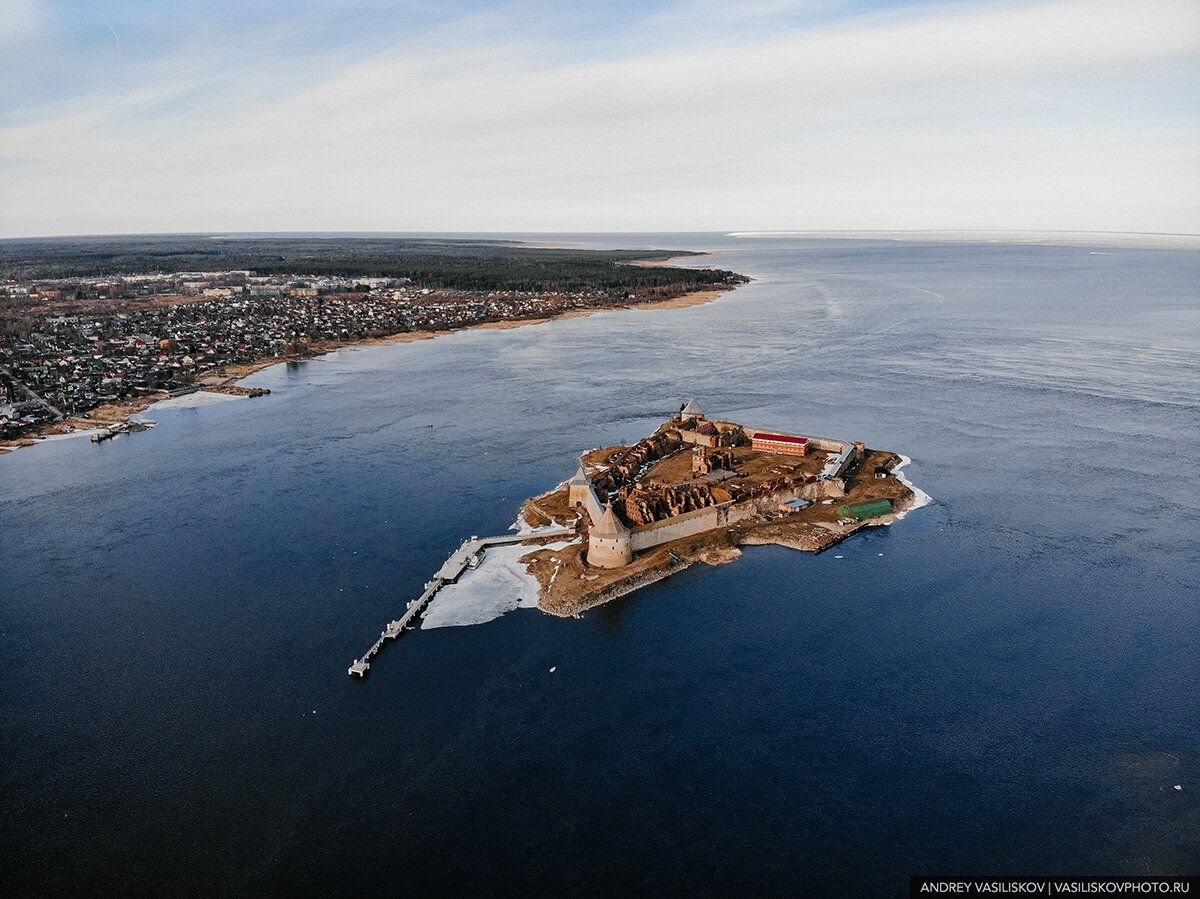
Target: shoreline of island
{"x":109,"y":415}
{"x":695,"y":490}
{"x":698,"y":490}
{"x":713,"y":548}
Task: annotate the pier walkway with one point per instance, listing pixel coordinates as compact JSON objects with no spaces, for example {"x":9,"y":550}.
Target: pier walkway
{"x":469,"y":555}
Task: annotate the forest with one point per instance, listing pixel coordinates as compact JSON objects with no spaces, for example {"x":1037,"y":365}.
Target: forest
{"x":454,"y":263}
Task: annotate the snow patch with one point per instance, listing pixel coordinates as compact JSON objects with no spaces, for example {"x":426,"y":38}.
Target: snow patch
{"x":82,"y":432}
{"x":500,"y":584}
{"x":195,"y":400}
{"x":525,"y":529}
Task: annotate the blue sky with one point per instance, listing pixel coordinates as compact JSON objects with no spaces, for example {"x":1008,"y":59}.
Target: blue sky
{"x":697,"y":114}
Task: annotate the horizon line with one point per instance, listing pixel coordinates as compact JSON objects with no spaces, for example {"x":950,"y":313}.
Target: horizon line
{"x":749,"y":232}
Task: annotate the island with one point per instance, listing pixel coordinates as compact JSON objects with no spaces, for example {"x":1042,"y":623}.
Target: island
{"x":696,"y":490}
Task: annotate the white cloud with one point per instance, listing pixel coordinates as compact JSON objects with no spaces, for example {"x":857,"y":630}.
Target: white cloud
{"x":20,"y":20}
{"x":984,"y":118}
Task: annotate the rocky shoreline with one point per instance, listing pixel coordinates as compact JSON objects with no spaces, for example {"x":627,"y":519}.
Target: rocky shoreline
{"x":570,"y":585}
{"x":714,"y":548}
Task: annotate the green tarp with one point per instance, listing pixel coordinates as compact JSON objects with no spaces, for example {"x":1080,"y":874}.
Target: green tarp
{"x":864,"y":511}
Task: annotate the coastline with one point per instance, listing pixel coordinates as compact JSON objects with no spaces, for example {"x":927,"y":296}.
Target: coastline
{"x":118,"y":412}
{"x":714,"y":547}
{"x":571,"y":582}
{"x":669,"y":260}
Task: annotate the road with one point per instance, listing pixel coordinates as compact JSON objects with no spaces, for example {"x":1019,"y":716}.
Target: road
{"x":29,"y":394}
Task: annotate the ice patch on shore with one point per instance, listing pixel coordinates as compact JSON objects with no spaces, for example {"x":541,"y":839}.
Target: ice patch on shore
{"x":500,"y":584}
{"x":88,"y":432}
{"x":81,"y":432}
{"x":525,"y":529}
{"x":195,"y":400}
{"x":921,"y":498}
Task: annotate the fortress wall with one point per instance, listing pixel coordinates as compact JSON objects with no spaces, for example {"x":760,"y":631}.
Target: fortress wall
{"x":691,"y":437}
{"x":710,"y":519}
{"x":690,"y":523}
{"x":592,"y":502}
{"x":685,"y":525}
{"x":827,"y":445}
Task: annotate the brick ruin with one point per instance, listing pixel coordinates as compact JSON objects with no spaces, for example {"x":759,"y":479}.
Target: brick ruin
{"x":705,"y":459}
{"x":624,"y":465}
{"x":638,"y":503}
{"x":644,"y":505}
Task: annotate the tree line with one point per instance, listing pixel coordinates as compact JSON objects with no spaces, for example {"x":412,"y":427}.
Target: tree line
{"x":438,"y":263}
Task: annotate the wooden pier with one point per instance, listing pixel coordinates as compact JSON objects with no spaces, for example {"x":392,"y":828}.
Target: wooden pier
{"x":469,"y":555}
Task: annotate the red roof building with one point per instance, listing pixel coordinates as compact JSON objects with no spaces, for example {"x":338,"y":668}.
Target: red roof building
{"x":766,"y":442}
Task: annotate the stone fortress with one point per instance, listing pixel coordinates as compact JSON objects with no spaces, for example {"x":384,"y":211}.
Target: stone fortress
{"x":694,"y":491}
{"x":736,"y":473}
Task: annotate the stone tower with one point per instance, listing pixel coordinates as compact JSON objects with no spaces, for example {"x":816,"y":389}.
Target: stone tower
{"x":608,"y":541}
{"x":577,"y":489}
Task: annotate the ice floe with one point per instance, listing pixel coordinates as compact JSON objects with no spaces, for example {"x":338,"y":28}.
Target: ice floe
{"x":500,"y":584}
{"x":921,"y":498}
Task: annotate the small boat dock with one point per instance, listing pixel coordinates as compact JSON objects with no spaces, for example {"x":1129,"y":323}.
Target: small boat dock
{"x":469,"y":555}
{"x":125,"y":427}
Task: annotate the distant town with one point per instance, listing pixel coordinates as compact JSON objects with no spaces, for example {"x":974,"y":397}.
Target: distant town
{"x":69,"y":345}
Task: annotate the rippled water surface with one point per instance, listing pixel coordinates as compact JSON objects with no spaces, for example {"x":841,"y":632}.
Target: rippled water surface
{"x":1005,"y":682}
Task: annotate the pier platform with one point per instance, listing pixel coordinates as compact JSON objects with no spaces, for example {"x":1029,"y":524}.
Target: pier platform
{"x":469,"y":555}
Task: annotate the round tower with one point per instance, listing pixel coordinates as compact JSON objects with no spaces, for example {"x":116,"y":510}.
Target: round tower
{"x":609,"y":543}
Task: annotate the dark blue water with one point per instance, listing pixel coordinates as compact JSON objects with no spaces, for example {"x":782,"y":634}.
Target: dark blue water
{"x":1011,"y":687}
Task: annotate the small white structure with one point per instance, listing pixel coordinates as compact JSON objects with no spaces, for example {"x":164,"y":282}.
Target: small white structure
{"x":691,"y":412}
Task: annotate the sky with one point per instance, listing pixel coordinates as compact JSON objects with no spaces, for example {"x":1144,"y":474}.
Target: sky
{"x":123,"y":116}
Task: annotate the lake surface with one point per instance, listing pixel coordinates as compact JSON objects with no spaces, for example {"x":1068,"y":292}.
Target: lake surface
{"x":1004,"y":682}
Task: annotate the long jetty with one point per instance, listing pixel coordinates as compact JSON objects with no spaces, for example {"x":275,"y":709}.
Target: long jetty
{"x":469,"y":555}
